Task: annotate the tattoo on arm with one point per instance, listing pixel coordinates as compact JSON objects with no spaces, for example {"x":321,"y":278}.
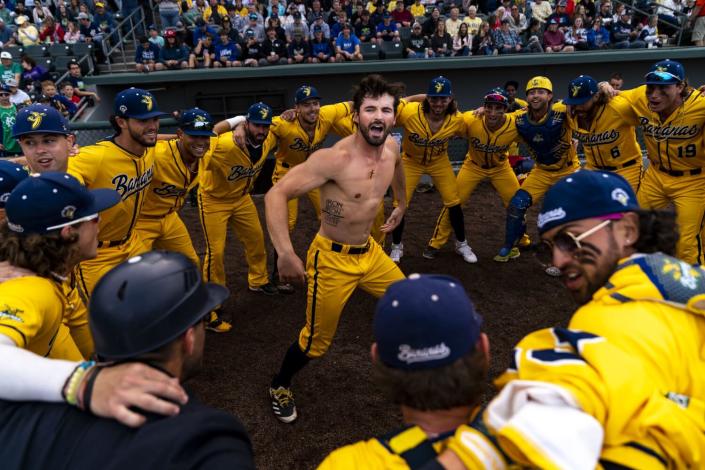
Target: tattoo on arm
{"x":332,"y":212}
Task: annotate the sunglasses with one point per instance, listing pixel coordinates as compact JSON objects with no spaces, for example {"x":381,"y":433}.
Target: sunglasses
{"x":659,"y":76}
{"x":4,"y":94}
{"x":495,"y":98}
{"x":566,"y":242}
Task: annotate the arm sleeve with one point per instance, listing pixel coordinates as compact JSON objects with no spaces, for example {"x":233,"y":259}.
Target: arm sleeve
{"x":84,"y":166}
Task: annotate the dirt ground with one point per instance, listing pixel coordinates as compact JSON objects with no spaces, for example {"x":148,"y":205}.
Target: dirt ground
{"x":337,"y":402}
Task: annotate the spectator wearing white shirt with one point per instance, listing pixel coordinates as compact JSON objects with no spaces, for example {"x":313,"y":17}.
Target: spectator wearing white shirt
{"x":541,"y":10}
{"x":517,"y":20}
{"x":453,"y":23}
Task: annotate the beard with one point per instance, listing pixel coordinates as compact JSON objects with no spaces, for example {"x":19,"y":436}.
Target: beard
{"x":375,"y":141}
{"x":605,"y":265}
{"x":140,"y":139}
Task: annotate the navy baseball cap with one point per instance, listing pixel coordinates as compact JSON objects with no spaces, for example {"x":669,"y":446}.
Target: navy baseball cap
{"x":53,"y":200}
{"x":425,"y":322}
{"x":260,"y":113}
{"x":586,"y":194}
{"x":497,"y":95}
{"x":386,"y":15}
{"x":317,"y":29}
{"x":581,"y":90}
{"x":305,"y":93}
{"x":253,"y":16}
{"x":666,"y":72}
{"x":137,"y":104}
{"x":439,"y":86}
{"x":11,"y":174}
{"x":39,"y":119}
{"x":197,"y":122}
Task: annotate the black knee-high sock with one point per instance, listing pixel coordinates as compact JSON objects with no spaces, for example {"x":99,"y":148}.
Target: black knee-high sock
{"x":457,"y":221}
{"x":294,"y":360}
{"x":398,"y":232}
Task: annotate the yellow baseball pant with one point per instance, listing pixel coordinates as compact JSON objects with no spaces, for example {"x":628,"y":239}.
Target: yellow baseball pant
{"x":470,"y":175}
{"x":539,"y":180}
{"x":334,"y":271}
{"x":687,"y":194}
{"x":293,"y":205}
{"x":440,"y":170}
{"x":630,"y":173}
{"x":241,"y":215}
{"x":166,"y":233}
{"x":90,"y":271}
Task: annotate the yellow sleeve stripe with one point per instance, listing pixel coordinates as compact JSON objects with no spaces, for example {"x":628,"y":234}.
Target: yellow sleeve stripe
{"x":481,"y":449}
{"x":14,"y":334}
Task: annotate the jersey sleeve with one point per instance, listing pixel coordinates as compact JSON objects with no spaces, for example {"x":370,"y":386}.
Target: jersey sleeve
{"x":278,"y":127}
{"x":21,"y":316}
{"x":207,"y":161}
{"x":623,"y":103}
{"x":86,"y":164}
{"x":334,"y":112}
{"x":403,"y":111}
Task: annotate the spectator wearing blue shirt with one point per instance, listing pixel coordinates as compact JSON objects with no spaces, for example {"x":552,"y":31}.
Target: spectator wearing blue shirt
{"x":201,"y":29}
{"x":321,"y":48}
{"x":227,"y":53}
{"x":322,"y":25}
{"x":598,"y":37}
{"x":174,"y":55}
{"x":337,"y":27}
{"x":6,"y":38}
{"x":146,"y":56}
{"x":104,"y":23}
{"x":66,"y":106}
{"x":347,"y":46}
{"x":387,"y":29}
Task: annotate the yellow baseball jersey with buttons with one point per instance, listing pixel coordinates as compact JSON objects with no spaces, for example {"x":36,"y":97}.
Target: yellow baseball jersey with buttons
{"x":420,"y":143}
{"x":619,"y":360}
{"x":31,"y":314}
{"x":486,"y":148}
{"x":674,"y":144}
{"x":384,"y":452}
{"x":76,"y":317}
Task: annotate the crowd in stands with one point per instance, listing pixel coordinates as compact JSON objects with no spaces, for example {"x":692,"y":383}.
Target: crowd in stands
{"x":225,"y":33}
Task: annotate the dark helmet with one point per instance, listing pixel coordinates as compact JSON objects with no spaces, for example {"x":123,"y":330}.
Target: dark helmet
{"x":148,"y":301}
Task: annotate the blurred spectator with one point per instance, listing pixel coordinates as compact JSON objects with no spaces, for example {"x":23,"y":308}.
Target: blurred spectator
{"x":254,"y":26}
{"x":51,"y":32}
{"x":418,"y":46}
{"x":9,"y":69}
{"x":441,"y":42}
{"x":342,"y":20}
{"x":401,"y":16}
{"x":417,"y":9}
{"x":298,"y":26}
{"x":617,"y":12}
{"x":298,"y":50}
{"x":321,"y":48}
{"x":18,"y":97}
{"x":21,"y":10}
{"x":214,"y":12}
{"x":63,"y":16}
{"x":580,"y":12}
{"x":533,"y":37}
{"x":173,"y":55}
{"x":453,"y":23}
{"x":240,"y":9}
{"x":483,"y":41}
{"x":554,"y":39}
{"x":387,"y":30}
{"x":649,"y":33}
{"x":66,"y":89}
{"x":31,"y":71}
{"x":323,"y":26}
{"x":541,"y":10}
{"x":560,"y":16}
{"x":40,"y":14}
{"x":605,"y":14}
{"x":8,"y":111}
{"x":429,"y":26}
{"x":5,"y":14}
{"x":474,"y":22}
{"x":576,"y":35}
{"x":79,"y":87}
{"x":201,"y":56}
{"x":502,"y":14}
{"x":252,"y":10}
{"x":273,"y":49}
{"x":462,"y":42}
{"x":517,"y":20}
{"x":347,"y":46}
{"x":624,"y":36}
{"x":273,"y":22}
{"x":616,"y":81}
{"x":201,"y":29}
{"x":227,"y":52}
{"x":189,"y":15}
{"x":365,"y":30}
{"x":154,"y":37}
{"x":74,"y":7}
{"x":72,"y":34}
{"x":668,"y":13}
{"x":64,"y":105}
{"x":506,"y":40}
{"x":316,"y":11}
{"x":253,"y":50}
{"x":103,"y":20}
{"x":7,"y":36}
{"x":27,"y":34}
{"x":590,"y":10}
{"x":276,"y":7}
{"x":598,"y":36}
{"x":169,"y":13}
{"x":230,"y":32}
{"x":146,"y":56}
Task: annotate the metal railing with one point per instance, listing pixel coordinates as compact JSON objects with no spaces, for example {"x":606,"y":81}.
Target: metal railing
{"x":681,"y":17}
{"x":133,"y":21}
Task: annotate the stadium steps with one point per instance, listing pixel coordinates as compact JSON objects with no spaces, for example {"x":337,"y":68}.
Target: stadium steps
{"x":117,"y":65}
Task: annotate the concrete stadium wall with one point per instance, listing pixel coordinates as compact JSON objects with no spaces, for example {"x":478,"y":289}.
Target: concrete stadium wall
{"x":232,"y":90}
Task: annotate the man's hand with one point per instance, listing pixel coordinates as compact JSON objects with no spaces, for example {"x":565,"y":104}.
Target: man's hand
{"x":291,"y":269}
{"x":239,"y":136}
{"x":393,"y":221}
{"x":288,"y":115}
{"x":121,"y":387}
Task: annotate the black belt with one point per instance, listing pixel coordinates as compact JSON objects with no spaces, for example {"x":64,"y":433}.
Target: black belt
{"x":567,"y":164}
{"x":615,"y":168}
{"x":484,"y":167}
{"x":112,"y":243}
{"x":357,"y":250}
{"x":694,"y":172}
{"x":285,"y":165}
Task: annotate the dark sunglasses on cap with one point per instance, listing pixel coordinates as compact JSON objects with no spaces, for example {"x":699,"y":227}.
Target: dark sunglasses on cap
{"x":659,"y":76}
{"x":496,"y":98}
{"x":566,"y":242}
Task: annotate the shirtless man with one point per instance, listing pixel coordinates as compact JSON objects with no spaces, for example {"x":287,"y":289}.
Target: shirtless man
{"x":343,"y":255}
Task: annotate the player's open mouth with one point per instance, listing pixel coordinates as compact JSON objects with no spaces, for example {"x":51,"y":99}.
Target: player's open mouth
{"x":572,"y":279}
{"x":377,"y":129}
{"x":45,"y":161}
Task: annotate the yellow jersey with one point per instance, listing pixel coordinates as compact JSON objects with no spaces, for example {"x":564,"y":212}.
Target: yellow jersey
{"x":31,"y":312}
{"x":107,"y":165}
{"x":171,"y":182}
{"x":294,"y":145}
{"x":345,"y":126}
{"x":227,"y":172}
{"x":675,"y":144}
{"x":609,"y":142}
{"x":418,"y":9}
{"x":420,"y":143}
{"x":488,"y":149}
{"x":388,"y":452}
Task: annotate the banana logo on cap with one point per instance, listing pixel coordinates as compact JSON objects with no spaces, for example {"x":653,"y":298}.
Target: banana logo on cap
{"x":306,"y":91}
{"x":147,"y":100}
{"x":575,"y":89}
{"x":264,"y":112}
{"x":35,"y":117}
{"x":439,"y":87}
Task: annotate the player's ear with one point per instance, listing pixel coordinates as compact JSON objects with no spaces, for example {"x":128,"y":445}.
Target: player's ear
{"x":628,"y":230}
{"x":356,"y":118}
{"x":483,"y":344}
{"x":68,"y":233}
{"x":189,"y":342}
{"x":373,"y":353}
{"x":71,"y":138}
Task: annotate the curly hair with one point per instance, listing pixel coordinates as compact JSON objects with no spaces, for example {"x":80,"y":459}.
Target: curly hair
{"x":658,"y":232}
{"x":41,"y":254}
{"x":375,"y":86}
{"x":461,"y":383}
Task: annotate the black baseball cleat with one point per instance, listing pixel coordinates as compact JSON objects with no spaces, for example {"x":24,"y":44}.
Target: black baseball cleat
{"x":286,"y":288}
{"x":283,"y":404}
{"x":430,"y":252}
{"x":266,"y":289}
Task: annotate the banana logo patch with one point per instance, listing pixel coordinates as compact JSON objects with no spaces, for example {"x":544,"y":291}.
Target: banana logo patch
{"x":147,"y":100}
{"x":35,"y":118}
{"x":574,"y":90}
{"x":439,"y":87}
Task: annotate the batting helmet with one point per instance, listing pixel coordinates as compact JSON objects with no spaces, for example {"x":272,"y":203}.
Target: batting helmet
{"x":148,"y":301}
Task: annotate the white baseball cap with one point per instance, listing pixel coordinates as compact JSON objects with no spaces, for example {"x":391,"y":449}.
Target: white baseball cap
{"x":5,"y":55}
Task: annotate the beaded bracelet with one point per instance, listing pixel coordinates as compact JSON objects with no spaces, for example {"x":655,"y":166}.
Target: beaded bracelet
{"x":73,"y":383}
